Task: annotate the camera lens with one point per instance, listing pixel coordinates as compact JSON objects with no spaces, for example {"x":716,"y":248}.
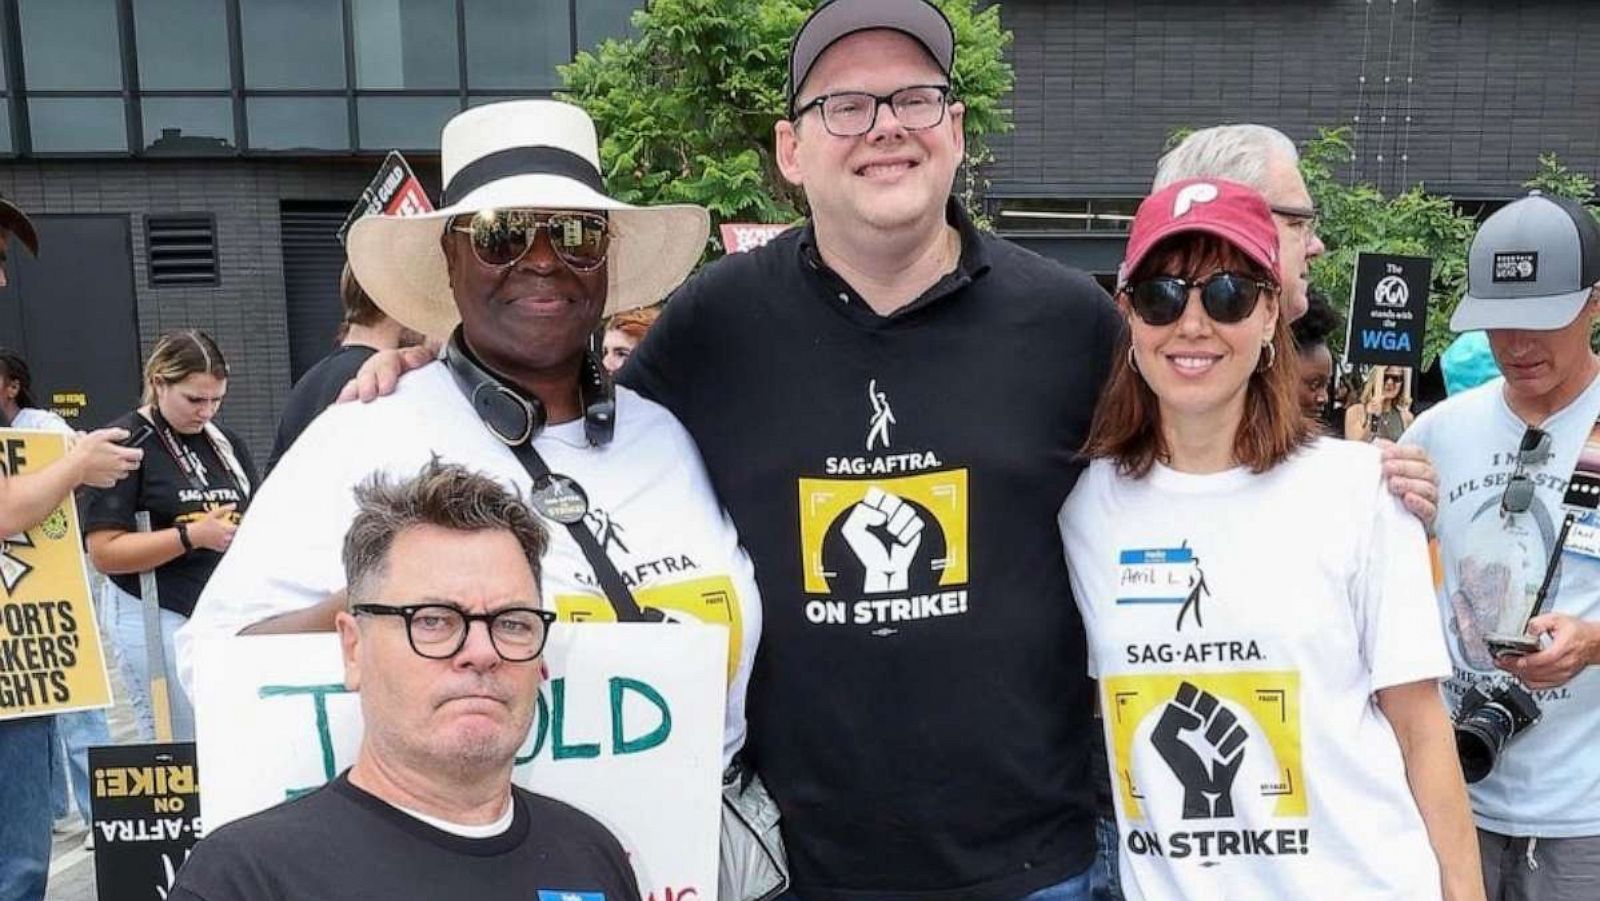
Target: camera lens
{"x":1479,"y":738}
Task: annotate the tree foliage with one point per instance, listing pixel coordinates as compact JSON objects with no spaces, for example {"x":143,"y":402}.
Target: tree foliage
{"x":686,"y":107}
{"x":1358,"y":217}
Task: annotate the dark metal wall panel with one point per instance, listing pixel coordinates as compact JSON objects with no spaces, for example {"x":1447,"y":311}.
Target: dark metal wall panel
{"x":312,"y":261}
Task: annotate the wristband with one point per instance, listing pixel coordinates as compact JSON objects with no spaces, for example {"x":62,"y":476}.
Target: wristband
{"x":183,"y":536}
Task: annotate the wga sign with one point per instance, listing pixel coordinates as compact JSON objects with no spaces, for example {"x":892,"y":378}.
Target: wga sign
{"x":1388,"y":309}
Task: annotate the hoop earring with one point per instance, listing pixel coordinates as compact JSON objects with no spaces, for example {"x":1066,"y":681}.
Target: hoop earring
{"x":1271,"y":354}
{"x":1132,"y":364}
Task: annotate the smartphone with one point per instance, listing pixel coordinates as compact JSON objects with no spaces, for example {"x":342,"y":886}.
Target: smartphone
{"x":1511,"y":645}
{"x":139,"y":435}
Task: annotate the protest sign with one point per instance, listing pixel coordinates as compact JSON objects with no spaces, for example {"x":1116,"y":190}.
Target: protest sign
{"x":741,"y":237}
{"x":1388,"y":310}
{"x":51,"y":660}
{"x":628,"y":729}
{"x":394,"y":191}
{"x":146,"y":807}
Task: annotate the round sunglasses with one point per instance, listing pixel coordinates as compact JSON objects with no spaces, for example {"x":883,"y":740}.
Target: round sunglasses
{"x":500,"y":238}
{"x":1227,"y":297}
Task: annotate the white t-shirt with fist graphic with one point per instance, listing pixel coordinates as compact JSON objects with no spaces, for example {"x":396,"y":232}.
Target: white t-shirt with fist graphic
{"x":1240,"y":625}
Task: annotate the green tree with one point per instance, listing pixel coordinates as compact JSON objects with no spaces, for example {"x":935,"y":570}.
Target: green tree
{"x":1557,"y":179}
{"x":1358,"y":217}
{"x":686,"y":108}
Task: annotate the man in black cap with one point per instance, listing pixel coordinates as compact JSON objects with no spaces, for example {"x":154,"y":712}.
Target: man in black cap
{"x":1519,"y":545}
{"x":95,"y":459}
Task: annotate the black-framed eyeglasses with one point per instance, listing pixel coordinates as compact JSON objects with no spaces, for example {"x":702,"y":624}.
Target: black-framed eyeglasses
{"x":439,"y":631}
{"x":849,"y":114}
{"x":1533,"y":450}
{"x":502,"y":237}
{"x":1303,"y":217}
{"x":1227,"y":297}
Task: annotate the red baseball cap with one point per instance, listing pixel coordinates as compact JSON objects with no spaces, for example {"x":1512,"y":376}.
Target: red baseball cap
{"x":1229,"y":210}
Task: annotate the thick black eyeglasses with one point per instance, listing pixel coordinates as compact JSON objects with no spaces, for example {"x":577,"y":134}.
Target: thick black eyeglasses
{"x":849,"y":114}
{"x":1534,"y":450}
{"x":1226,"y":296}
{"x":439,"y":631}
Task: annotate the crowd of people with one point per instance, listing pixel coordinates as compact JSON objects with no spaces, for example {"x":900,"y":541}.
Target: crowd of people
{"x":1199,"y":650}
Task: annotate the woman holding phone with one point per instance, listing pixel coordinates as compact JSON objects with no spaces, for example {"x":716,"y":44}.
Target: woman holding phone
{"x":1259,"y":607}
{"x":195,"y":481}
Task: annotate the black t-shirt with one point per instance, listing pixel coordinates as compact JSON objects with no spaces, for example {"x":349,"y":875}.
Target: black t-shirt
{"x":315,"y":392}
{"x":161,"y":487}
{"x":919,"y":706}
{"x":342,"y":844}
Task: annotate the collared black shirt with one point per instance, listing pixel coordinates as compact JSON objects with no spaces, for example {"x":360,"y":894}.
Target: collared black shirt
{"x":919,"y":706}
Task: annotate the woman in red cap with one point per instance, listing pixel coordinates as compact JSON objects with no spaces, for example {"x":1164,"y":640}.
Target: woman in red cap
{"x":1259,"y":608}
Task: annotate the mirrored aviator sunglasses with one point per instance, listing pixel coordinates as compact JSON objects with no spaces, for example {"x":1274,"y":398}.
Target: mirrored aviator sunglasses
{"x":500,"y":238}
{"x":1227,"y":297}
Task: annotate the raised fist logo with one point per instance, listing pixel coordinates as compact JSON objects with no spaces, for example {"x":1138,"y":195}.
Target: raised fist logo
{"x":884,"y":533}
{"x":1207,"y":774}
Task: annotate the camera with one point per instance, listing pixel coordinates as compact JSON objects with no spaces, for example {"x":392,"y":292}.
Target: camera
{"x":1486,"y":720}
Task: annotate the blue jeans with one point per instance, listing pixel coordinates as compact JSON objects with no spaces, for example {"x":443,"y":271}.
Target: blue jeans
{"x":124,"y":617}
{"x":25,"y":812}
{"x":77,"y":731}
{"x":1074,"y":889}
{"x":1106,"y":884}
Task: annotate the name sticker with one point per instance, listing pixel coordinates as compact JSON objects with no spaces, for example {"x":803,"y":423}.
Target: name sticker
{"x":1155,"y":575}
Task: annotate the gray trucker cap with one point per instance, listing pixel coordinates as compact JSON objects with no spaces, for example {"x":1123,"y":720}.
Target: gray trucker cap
{"x":918,"y":19}
{"x":1531,"y":266}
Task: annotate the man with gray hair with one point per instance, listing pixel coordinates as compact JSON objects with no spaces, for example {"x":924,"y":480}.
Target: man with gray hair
{"x":1265,"y":159}
{"x":428,"y":809}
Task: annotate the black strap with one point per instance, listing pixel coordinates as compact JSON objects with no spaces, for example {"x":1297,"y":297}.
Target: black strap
{"x":472,"y":378}
{"x":520,"y":161}
{"x":622,"y":601}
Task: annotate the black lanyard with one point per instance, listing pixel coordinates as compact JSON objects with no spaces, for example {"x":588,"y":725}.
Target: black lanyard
{"x":515,"y":417}
{"x":189,"y":462}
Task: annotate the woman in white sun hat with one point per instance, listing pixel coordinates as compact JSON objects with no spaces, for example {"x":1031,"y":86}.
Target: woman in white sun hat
{"x":519,"y":265}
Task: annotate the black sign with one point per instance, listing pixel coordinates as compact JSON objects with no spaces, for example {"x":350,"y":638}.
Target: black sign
{"x":394,"y":191}
{"x":146,"y":805}
{"x":1388,"y":310}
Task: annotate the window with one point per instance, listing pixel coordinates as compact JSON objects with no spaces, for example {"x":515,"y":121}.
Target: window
{"x":517,"y":43}
{"x":293,"y":44}
{"x":188,"y":126}
{"x":182,"y":44}
{"x":1057,"y":215}
{"x":403,"y":123}
{"x":298,"y":123}
{"x":602,"y":19}
{"x":182,"y":250}
{"x":78,"y":124}
{"x":405,"y":44}
{"x":70,"y":45}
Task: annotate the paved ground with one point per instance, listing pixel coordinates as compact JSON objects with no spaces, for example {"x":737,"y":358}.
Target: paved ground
{"x":71,"y":866}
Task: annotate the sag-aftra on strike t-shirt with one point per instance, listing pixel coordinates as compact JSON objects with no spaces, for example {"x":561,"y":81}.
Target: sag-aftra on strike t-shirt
{"x":1240,"y":625}
{"x":171,"y":496}
{"x":919,"y":708}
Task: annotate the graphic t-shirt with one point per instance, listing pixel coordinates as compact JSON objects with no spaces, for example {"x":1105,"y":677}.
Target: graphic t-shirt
{"x":650,"y":508}
{"x":919,"y":710}
{"x":172,"y":495}
{"x":1547,"y":780}
{"x":315,"y":392}
{"x":1240,"y":626}
{"x":340,"y":843}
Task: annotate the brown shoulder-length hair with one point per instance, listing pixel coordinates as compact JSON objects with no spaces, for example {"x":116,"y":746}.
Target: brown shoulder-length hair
{"x":1127,"y":420}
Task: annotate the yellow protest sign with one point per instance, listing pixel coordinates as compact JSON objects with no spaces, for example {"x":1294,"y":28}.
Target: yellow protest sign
{"x":51,"y":660}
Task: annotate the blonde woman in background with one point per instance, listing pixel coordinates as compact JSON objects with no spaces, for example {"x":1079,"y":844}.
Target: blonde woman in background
{"x":1385,"y":408}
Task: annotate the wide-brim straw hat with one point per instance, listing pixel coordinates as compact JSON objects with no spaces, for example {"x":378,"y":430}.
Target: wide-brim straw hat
{"x":520,"y":154}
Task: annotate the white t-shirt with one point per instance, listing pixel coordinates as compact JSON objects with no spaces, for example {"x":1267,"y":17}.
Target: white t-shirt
{"x":651,"y":506}
{"x":1240,"y":626}
{"x":1547,"y":781}
{"x":43,"y":420}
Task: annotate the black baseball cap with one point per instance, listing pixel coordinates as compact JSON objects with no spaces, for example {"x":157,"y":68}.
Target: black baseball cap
{"x":14,"y":220}
{"x":917,"y":19}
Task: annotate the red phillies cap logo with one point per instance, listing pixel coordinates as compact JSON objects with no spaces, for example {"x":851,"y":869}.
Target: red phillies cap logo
{"x":1231,"y":211}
